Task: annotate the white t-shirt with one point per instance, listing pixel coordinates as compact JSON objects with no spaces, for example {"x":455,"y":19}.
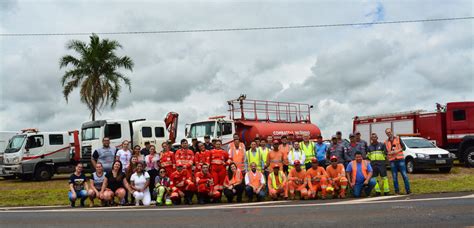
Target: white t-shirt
{"x":139,"y":181}
{"x":124,"y":157}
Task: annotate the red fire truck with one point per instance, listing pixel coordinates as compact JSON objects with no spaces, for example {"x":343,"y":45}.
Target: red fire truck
{"x":450,"y":127}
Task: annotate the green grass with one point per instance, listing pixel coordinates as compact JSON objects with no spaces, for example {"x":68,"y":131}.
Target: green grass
{"x":54,"y":192}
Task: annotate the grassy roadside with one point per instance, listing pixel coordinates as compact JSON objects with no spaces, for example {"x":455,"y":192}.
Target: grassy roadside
{"x":54,"y":192}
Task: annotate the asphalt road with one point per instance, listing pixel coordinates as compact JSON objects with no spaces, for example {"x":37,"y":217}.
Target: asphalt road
{"x":435,"y":210}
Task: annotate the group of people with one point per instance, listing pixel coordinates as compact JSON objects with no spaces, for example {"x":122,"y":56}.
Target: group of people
{"x":278,"y":168}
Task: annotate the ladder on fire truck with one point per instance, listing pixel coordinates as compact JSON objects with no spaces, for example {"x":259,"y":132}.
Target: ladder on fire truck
{"x":269,"y":111}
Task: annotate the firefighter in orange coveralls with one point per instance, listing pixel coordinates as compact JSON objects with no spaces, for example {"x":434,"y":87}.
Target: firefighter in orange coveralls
{"x":167,"y":160}
{"x":205,"y":184}
{"x":201,"y":157}
{"x":337,"y":180}
{"x":182,"y":185}
{"x":297,"y":181}
{"x":184,"y":156}
{"x":219,"y":158}
{"x":317,"y":180}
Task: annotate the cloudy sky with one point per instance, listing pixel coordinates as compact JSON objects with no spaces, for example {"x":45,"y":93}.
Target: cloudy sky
{"x":342,"y":71}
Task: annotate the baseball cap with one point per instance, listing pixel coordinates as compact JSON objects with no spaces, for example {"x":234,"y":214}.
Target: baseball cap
{"x":276,"y":166}
{"x":357,"y":132}
{"x":275,"y":141}
{"x":351,"y":135}
{"x":314,"y":160}
{"x":333,"y":137}
{"x":333,"y":158}
{"x":297,"y":162}
{"x":179,"y":165}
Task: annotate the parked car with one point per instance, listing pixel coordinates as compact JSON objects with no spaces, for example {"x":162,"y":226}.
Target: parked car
{"x":421,"y":153}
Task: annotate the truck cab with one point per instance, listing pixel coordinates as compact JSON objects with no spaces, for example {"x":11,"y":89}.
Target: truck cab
{"x":38,"y":155}
{"x":137,"y":132}
{"x":216,"y":127}
{"x":460,"y":130}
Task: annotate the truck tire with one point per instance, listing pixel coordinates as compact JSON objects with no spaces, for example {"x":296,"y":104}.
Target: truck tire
{"x":469,"y":156}
{"x":445,"y":169}
{"x":410,"y":164}
{"x":43,"y":173}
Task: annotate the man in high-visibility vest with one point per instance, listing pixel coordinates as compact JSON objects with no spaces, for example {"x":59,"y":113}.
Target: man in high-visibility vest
{"x":254,"y":183}
{"x":285,"y":147}
{"x":394,"y":150}
{"x":254,"y":155}
{"x":337,"y":180}
{"x":376,"y":155}
{"x":308,"y":149}
{"x":277,"y":183}
{"x":237,"y":153}
{"x":297,"y":181}
{"x":359,"y":173}
{"x":275,"y":156}
{"x":295,"y":154}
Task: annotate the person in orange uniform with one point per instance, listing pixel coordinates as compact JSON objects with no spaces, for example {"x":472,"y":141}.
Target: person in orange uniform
{"x":184,"y":156}
{"x":297,"y":181}
{"x":337,"y":180}
{"x":237,"y":153}
{"x":218,"y":160}
{"x":205,"y":185}
{"x":285,"y":149}
{"x":201,"y":157}
{"x":275,"y":156}
{"x":167,"y":160}
{"x":317,"y":180}
{"x":182,"y":185}
{"x":277,"y":183}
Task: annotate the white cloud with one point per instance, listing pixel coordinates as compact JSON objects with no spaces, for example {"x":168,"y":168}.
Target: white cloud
{"x":343,"y":71}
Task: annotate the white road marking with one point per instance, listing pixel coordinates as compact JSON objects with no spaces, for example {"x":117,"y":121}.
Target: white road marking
{"x":375,"y":200}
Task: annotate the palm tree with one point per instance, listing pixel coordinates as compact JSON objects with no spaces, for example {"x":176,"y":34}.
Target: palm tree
{"x":95,"y":71}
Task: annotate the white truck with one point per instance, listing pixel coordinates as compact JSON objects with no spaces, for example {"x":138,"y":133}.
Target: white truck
{"x":5,"y":137}
{"x":137,"y":132}
{"x":39,"y":155}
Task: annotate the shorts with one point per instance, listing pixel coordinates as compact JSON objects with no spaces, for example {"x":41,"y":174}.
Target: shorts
{"x":379,"y":168}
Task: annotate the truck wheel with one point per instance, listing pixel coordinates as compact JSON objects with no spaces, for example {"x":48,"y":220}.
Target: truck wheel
{"x":469,"y":156}
{"x":445,"y":169}
{"x":410,"y":165}
{"x":43,"y":173}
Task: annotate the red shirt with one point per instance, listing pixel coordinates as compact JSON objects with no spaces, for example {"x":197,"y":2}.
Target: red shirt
{"x":201,"y":158}
{"x":167,"y":159}
{"x":178,"y":179}
{"x":219,"y":157}
{"x":185,"y":157}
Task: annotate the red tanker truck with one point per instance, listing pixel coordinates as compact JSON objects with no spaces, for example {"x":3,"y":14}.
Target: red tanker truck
{"x":450,"y":127}
{"x":256,"y":118}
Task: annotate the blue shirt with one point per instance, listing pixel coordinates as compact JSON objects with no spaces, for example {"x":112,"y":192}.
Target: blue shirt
{"x":359,"y":176}
{"x":321,"y":151}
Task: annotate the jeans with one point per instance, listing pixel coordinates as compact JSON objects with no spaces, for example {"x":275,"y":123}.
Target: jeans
{"x":239,"y":190}
{"x":399,"y":166}
{"x":250,"y":193}
{"x":82,"y":194}
{"x":358,"y":187}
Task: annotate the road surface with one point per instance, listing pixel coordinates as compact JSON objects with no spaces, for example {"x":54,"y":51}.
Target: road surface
{"x":434,"y":210}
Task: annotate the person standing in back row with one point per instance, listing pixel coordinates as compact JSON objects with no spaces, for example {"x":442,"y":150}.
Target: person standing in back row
{"x":376,"y":155}
{"x":308,"y":149}
{"x":104,"y":155}
{"x":394,"y":150}
{"x":146,"y":150}
{"x":320,"y":149}
{"x":207,"y":143}
{"x":124,"y":155}
{"x":237,"y":153}
{"x":285,"y":148}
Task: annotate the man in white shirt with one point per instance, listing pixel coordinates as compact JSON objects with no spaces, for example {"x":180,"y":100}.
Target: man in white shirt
{"x":254,"y":183}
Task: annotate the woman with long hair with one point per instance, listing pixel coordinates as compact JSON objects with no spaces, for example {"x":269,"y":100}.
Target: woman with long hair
{"x":233,"y":184}
{"x":116,"y":181}
{"x":124,"y":155}
{"x":78,"y":186}
{"x":152,"y":159}
{"x":136,"y":153}
{"x":97,"y":186}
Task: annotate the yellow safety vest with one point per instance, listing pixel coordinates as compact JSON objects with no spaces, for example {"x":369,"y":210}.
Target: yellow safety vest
{"x":308,"y":151}
{"x":290,"y":166}
{"x":257,"y":158}
{"x":280,"y":177}
{"x":264,"y":154}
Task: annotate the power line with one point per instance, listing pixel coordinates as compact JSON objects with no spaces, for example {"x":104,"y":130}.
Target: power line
{"x":239,"y":29}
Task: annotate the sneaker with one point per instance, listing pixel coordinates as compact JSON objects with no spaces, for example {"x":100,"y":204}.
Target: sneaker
{"x":409,"y":193}
{"x":91,"y":204}
{"x":153,"y":202}
{"x":378,"y":194}
{"x":137,"y":204}
{"x":73,"y":204}
{"x":386,"y":193}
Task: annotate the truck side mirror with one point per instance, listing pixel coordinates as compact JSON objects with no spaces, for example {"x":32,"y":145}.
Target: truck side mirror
{"x":186,"y":132}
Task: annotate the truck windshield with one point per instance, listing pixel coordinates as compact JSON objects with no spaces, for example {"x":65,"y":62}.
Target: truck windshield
{"x":202,"y":129}
{"x":15,"y":143}
{"x":90,"y":133}
{"x":418,"y":143}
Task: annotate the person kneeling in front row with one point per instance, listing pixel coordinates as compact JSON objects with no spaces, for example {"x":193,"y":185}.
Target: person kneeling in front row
{"x":139,"y":185}
{"x":162,"y":188}
{"x":359,"y":173}
{"x":78,"y":186}
{"x":254,"y":183}
{"x":205,"y":186}
{"x":277,"y":183}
